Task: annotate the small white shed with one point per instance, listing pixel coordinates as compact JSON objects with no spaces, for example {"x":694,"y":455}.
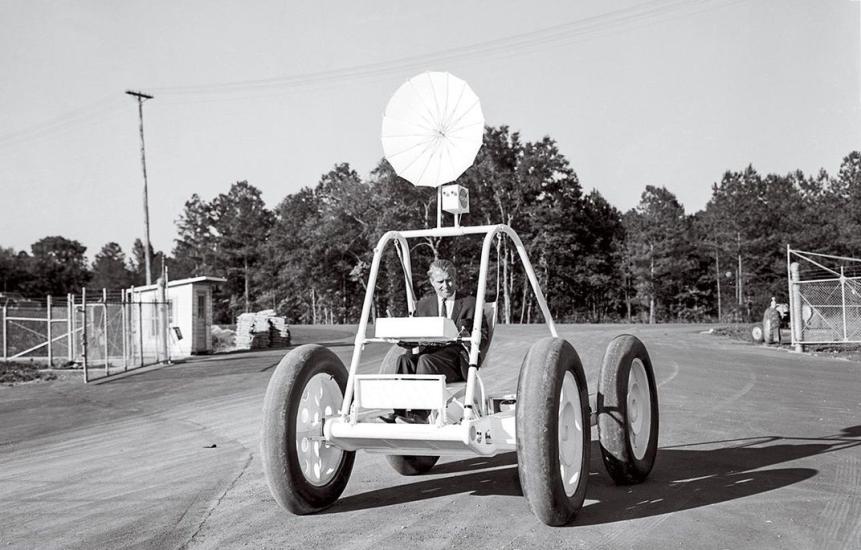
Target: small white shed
{"x":189,"y":315}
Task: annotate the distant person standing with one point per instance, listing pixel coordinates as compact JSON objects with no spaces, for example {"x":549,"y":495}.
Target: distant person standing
{"x":771,"y":324}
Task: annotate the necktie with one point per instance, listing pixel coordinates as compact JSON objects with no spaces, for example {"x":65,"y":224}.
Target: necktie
{"x":443,"y":308}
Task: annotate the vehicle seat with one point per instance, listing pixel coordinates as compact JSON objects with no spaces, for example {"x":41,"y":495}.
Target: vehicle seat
{"x":489,"y":314}
{"x":456,"y":390}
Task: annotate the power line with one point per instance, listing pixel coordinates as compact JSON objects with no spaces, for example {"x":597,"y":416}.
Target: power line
{"x":80,"y":115}
{"x":519,"y":44}
{"x":504,"y":47}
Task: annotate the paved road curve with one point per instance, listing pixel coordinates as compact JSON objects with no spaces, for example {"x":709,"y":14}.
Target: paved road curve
{"x":760,"y":448}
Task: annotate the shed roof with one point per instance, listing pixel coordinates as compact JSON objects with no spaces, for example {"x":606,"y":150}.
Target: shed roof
{"x":182,"y":282}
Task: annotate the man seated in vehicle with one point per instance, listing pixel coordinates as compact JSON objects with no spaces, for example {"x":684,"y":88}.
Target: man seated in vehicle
{"x":450,"y":360}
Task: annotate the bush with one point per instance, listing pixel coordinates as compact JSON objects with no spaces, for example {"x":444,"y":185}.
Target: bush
{"x":222,"y":339}
{"x":12,"y":372}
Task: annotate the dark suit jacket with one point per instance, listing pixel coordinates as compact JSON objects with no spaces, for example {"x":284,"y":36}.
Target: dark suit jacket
{"x":463,"y":316}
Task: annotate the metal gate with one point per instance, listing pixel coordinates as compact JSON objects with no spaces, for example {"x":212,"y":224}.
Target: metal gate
{"x":105,"y":332}
{"x":825,"y":298}
{"x":120,"y":334}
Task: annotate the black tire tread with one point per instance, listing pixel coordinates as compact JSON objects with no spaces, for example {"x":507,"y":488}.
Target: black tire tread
{"x":280,"y":465}
{"x":536,"y":419}
{"x":406,"y":465}
{"x":618,"y":457}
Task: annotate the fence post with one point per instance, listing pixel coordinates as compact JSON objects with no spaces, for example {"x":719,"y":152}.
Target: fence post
{"x":5,"y":347}
{"x":140,"y":328}
{"x":69,"y":312}
{"x":161,"y":310}
{"x":843,"y":302}
{"x":797,"y":322}
{"x":50,"y":334}
{"x":72,"y":332}
{"x":124,"y":331}
{"x":105,"y":328}
{"x":84,"y":335}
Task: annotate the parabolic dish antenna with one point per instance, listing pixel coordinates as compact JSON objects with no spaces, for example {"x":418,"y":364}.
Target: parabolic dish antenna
{"x":432,"y":129}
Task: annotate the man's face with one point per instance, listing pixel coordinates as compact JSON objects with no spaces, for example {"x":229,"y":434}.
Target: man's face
{"x":442,"y":283}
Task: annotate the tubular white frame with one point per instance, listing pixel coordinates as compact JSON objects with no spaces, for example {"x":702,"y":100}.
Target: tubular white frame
{"x":400,"y":240}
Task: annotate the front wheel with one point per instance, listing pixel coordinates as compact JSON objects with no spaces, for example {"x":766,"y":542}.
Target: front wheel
{"x":627,"y":411}
{"x":552,"y":426}
{"x":304,"y":473}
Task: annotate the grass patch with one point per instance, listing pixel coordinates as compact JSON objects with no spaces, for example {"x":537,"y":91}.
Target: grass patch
{"x":845,"y":351}
{"x":13,"y":372}
{"x":737,"y":332}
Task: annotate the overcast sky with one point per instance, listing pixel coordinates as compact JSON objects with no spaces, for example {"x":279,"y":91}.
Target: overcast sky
{"x":669,"y":93}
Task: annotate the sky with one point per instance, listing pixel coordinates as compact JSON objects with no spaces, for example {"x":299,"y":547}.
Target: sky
{"x":635,"y":92}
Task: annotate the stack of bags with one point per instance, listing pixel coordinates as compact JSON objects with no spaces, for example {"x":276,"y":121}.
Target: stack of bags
{"x":261,"y":330}
{"x":279,"y":333}
{"x":248,"y":333}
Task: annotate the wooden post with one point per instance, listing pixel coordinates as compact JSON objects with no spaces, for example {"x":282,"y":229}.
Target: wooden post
{"x":147,"y":257}
{"x":50,"y":316}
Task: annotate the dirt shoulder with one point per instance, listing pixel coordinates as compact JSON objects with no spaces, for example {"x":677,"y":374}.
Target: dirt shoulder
{"x":742,"y":333}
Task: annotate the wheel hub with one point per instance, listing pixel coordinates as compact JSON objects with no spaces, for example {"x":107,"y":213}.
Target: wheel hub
{"x":570,"y":428}
{"x":318,"y":460}
{"x":639,"y":409}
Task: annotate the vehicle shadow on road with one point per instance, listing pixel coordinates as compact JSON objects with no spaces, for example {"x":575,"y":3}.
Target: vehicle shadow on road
{"x":490,"y":476}
{"x":684,"y":477}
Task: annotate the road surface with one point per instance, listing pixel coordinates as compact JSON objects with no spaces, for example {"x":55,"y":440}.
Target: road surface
{"x":759,"y":448}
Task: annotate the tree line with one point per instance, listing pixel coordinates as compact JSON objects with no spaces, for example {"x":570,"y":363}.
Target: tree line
{"x":309,"y":257}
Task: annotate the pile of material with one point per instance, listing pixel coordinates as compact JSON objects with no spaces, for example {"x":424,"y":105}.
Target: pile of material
{"x":261,"y":330}
{"x":279,"y":333}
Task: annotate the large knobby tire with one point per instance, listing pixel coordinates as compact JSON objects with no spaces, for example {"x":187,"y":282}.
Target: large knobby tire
{"x":407,"y":465}
{"x":627,"y":411}
{"x":304,"y":475}
{"x":553,"y":432}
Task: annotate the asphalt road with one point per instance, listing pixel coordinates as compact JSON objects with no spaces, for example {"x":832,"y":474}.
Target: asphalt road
{"x":759,"y":448}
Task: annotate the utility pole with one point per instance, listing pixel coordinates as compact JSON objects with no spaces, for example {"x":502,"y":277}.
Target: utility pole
{"x":147,"y":260}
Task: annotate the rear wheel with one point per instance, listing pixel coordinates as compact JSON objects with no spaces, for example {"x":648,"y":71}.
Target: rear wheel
{"x":552,"y":426}
{"x":627,"y":411}
{"x":407,"y":465}
{"x":304,"y":473}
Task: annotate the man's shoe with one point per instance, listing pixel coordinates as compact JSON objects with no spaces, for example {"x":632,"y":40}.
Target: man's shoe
{"x":389,"y":418}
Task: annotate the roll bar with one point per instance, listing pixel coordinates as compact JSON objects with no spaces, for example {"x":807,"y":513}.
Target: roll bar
{"x":400,"y":240}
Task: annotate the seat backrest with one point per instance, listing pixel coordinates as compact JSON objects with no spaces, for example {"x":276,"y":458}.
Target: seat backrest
{"x":489,"y":313}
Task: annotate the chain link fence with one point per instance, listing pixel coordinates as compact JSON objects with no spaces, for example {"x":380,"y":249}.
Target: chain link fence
{"x":104,"y":333}
{"x":37,"y":330}
{"x":825,"y":298}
